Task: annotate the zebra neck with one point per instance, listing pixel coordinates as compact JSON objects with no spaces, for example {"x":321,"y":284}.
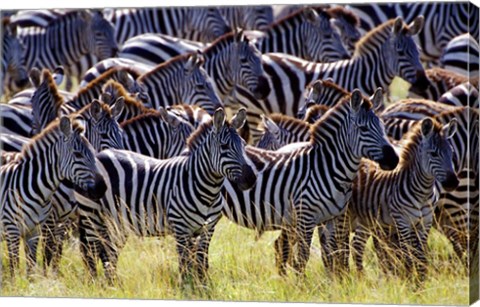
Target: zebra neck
{"x":165,"y":86}
{"x":218,"y":66}
{"x":415,"y":175}
{"x":275,"y":41}
{"x":40,"y":168}
{"x":203,"y":180}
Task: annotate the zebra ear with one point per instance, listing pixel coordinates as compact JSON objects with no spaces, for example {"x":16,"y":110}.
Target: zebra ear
{"x":270,"y":125}
{"x":239,"y":35}
{"x":416,"y":26}
{"x":96,"y":110}
{"x":310,"y":15}
{"x":65,"y":125}
{"x":58,"y":75}
{"x":398,"y":25}
{"x":427,"y":127}
{"x":239,"y":119}
{"x":377,"y":99}
{"x":450,"y":129}
{"x":218,"y":119}
{"x":191,"y":63}
{"x":356,"y":100}
{"x":34,"y":76}
{"x":200,"y":58}
{"x":117,"y":107}
{"x":169,"y":117}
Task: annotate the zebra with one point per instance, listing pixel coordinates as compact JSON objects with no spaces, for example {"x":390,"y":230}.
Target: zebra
{"x":307,"y":34}
{"x":160,"y":134}
{"x":158,"y":204}
{"x":315,"y":178}
{"x":83,"y":32}
{"x":231,"y":61}
{"x":59,"y":152}
{"x":443,"y":22}
{"x":181,"y":80}
{"x":386,"y":52}
{"x":461,"y":55}
{"x":281,"y":130}
{"x":254,"y":17}
{"x":402,"y":199}
{"x":441,"y":81}
{"x":13,"y":70}
{"x":11,"y":142}
{"x":455,"y":210}
{"x":203,"y":24}
{"x":464,"y":94}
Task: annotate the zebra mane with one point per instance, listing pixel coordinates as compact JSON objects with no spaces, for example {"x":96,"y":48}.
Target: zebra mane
{"x":162,"y":66}
{"x":139,"y":118}
{"x":452,"y":79}
{"x":284,"y":121}
{"x":52,"y":89}
{"x":198,"y":136}
{"x":65,"y":15}
{"x":411,"y":140}
{"x":296,"y":15}
{"x":349,"y":16}
{"x":106,"y":109}
{"x":317,"y":129}
{"x":381,"y":32}
{"x":220,"y":43}
{"x":51,"y":129}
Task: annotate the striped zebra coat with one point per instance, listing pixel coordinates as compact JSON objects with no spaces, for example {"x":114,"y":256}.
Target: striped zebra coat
{"x":403,"y":198}
{"x":179,"y":196}
{"x":59,"y":153}
{"x":315,"y":178}
{"x":288,"y":76}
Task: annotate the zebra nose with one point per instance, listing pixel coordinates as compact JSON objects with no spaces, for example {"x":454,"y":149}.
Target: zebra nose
{"x":421,"y":83}
{"x":451,"y":182}
{"x":263,"y":89}
{"x":247,"y":179}
{"x":390,"y":158}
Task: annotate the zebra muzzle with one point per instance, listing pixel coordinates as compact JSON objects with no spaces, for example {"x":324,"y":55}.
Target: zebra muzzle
{"x":247,"y":178}
{"x":95,"y":190}
{"x":421,"y":83}
{"x":389,"y":160}
{"x":263,"y":89}
{"x":450,"y":183}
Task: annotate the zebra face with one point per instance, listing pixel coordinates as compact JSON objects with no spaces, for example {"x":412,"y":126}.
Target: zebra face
{"x":321,"y":42}
{"x":228,"y":150}
{"x":180,"y":130}
{"x":437,"y":152}
{"x":12,"y":59}
{"x":257,"y":17}
{"x":105,"y":131}
{"x":246,"y":64}
{"x":198,"y":86}
{"x":77,"y":160}
{"x":271,"y":137}
{"x":349,"y":33}
{"x":367,"y":134}
{"x":104,"y":37}
{"x":208,"y":22}
{"x":404,"y":53}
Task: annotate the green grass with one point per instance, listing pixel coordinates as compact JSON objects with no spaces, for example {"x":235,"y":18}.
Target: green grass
{"x":243,"y":269}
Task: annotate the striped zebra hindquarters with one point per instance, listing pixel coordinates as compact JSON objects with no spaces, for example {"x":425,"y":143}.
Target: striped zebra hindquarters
{"x":172,"y":203}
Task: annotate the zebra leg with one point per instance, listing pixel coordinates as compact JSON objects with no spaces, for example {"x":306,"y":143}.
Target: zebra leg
{"x":342,"y":233}
{"x":325,"y":239}
{"x":283,"y":251}
{"x":60,"y":237}
{"x":202,"y":254}
{"x":360,"y":238}
{"x":13,"y":246}
{"x":185,"y":248}
{"x":405,"y":246}
{"x":31,"y":245}
{"x":88,"y":248}
{"x":304,"y":235}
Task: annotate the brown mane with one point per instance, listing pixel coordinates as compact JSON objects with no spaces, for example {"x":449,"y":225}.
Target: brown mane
{"x":385,"y":29}
{"x":349,"y":16}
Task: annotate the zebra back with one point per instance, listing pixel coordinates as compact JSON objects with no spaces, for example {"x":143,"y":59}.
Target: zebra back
{"x":307,"y":34}
{"x":160,"y":134}
{"x":181,"y":80}
{"x":461,"y":55}
{"x":280,"y":130}
{"x":464,"y":94}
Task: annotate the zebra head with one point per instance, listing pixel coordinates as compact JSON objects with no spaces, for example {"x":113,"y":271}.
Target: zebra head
{"x":102,"y":129}
{"x":228,"y":149}
{"x":270,"y":139}
{"x":103,"y":35}
{"x":320,"y":41}
{"x":198,"y":86}
{"x":77,"y":162}
{"x":257,"y":17}
{"x":246,"y":65}
{"x":208,"y":22}
{"x":367,"y":132}
{"x":180,"y":130}
{"x":402,"y":54}
{"x":437,"y":152}
{"x":12,"y":57}
{"x":347,"y":23}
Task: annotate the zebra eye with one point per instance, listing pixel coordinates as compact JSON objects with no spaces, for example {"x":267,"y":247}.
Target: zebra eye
{"x":224,"y":146}
{"x":77,"y":155}
{"x":363,"y":128}
{"x":434,"y":154}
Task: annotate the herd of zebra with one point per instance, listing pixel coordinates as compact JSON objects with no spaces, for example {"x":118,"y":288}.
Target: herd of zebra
{"x":277,"y":118}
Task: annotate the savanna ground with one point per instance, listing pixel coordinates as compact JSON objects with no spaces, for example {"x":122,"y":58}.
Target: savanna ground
{"x":243,"y":269}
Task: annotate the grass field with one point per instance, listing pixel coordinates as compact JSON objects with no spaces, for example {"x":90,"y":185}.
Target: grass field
{"x":243,"y":269}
